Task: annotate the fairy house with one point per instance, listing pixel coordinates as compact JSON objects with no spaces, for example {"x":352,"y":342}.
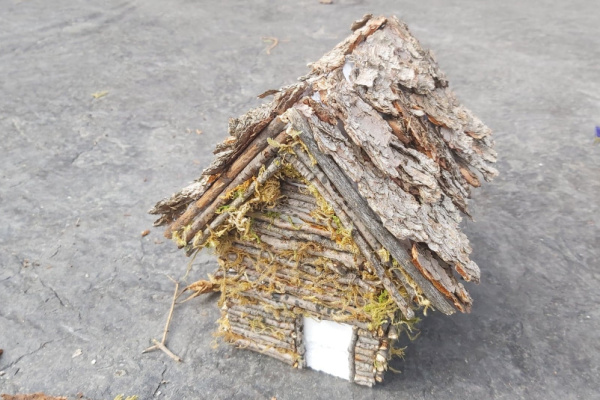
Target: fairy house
{"x":334,"y":209}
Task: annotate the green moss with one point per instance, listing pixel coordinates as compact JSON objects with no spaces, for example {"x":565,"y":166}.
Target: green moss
{"x":271,"y":215}
{"x":381,"y":308}
{"x":223,"y":209}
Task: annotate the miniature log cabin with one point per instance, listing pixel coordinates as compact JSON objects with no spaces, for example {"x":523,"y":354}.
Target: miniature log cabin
{"x":334,"y":209}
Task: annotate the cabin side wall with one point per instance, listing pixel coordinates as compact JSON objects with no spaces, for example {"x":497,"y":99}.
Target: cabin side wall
{"x":278,"y":332}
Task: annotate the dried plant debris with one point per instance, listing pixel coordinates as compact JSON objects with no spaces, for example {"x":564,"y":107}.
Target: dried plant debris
{"x":33,"y":396}
{"x":100,"y":94}
{"x":123,"y":397}
{"x":273,"y":43}
{"x":341,"y":200}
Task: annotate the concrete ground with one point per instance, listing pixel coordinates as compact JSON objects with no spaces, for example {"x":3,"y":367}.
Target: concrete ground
{"x":78,"y":173}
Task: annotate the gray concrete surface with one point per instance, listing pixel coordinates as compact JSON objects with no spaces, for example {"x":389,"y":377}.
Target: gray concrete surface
{"x":77,"y":175}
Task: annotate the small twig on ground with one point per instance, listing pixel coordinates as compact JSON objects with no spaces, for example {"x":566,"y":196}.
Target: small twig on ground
{"x":175,"y":295}
{"x":98,"y":95}
{"x":161,"y":345}
{"x":274,"y":42}
{"x":166,"y":350}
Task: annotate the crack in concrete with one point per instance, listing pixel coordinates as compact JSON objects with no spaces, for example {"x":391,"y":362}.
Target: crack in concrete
{"x":79,"y":154}
{"x":54,"y":292}
{"x":7,"y":278}
{"x":56,"y":251}
{"x":12,"y":364}
{"x":16,"y":124}
{"x":162,"y":375}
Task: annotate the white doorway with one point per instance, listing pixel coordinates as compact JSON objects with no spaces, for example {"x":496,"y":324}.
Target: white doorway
{"x":327,"y":346}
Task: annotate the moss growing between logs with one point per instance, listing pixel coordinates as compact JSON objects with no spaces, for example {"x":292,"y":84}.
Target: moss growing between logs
{"x":265,"y":196}
{"x":266,"y":277}
{"x":381,"y":309}
{"x":289,"y":147}
{"x":421,"y":300}
{"x":272,"y":215}
{"x":177,"y":237}
{"x":325,"y":213}
{"x":237,"y":191}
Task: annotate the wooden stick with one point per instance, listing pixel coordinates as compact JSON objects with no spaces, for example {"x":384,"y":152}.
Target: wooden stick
{"x":256,"y":310}
{"x":266,"y":329}
{"x":261,"y":348}
{"x":166,"y":330}
{"x":242,"y":317}
{"x":307,"y":201}
{"x":368,"y":340}
{"x":365,"y":333}
{"x":361,"y":357}
{"x":308,"y":278}
{"x":300,"y":349}
{"x":364,"y":380}
{"x":366,"y":346}
{"x":303,"y":216}
{"x":282,"y":223}
{"x":366,"y":375}
{"x":365,"y":352}
{"x":346,"y":258}
{"x":259,"y":324}
{"x":349,"y":278}
{"x":364,"y":367}
{"x":382,"y":355}
{"x":351,"y":353}
{"x":412,"y":293}
{"x":295,"y":186}
{"x":161,"y":345}
{"x":256,"y":337}
{"x":290,"y":235}
{"x":296,"y":204}
{"x":164,"y":348}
